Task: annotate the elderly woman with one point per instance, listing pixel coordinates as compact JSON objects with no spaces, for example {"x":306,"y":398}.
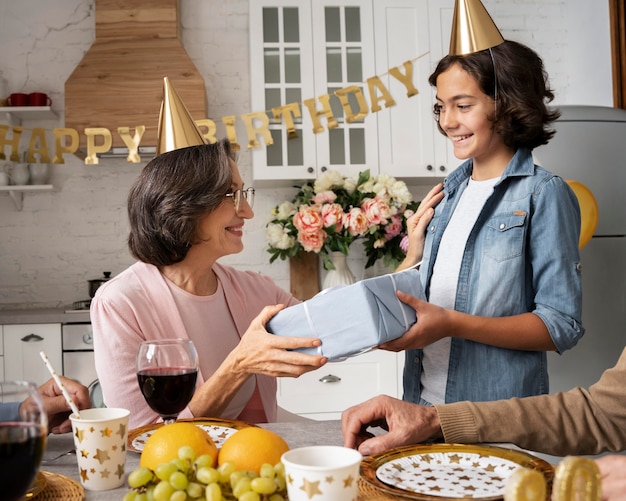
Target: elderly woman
{"x":187,"y":209}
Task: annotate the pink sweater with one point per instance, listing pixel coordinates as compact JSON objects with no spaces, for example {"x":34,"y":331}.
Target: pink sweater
{"x":137,"y":305}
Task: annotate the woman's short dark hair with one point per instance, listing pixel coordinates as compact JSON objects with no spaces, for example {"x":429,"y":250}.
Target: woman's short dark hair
{"x":522,"y":116}
{"x":170,"y":195}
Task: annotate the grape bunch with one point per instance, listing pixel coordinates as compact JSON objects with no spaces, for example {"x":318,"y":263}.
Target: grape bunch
{"x":190,"y":478}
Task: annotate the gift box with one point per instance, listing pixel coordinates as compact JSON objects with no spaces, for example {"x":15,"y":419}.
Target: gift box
{"x":352,"y":319}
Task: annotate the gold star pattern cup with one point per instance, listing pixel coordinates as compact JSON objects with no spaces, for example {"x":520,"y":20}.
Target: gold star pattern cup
{"x":322,"y":473}
{"x":100,"y":438}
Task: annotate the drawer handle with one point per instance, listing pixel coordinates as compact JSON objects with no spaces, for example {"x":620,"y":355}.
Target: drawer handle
{"x":88,"y":338}
{"x":32,"y":338}
{"x":330,"y":379}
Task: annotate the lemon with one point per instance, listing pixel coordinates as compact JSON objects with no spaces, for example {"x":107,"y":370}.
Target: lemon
{"x":162,"y":446}
{"x":249,"y":448}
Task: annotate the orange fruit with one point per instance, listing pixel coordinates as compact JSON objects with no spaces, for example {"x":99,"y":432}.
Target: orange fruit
{"x":162,"y":446}
{"x":250,"y":448}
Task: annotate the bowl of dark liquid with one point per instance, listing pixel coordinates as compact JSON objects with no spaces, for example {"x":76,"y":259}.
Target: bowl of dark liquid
{"x":23,"y":432}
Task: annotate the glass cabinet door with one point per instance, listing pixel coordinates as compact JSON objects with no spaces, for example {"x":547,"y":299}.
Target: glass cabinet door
{"x":344,"y":60}
{"x":281,"y":70}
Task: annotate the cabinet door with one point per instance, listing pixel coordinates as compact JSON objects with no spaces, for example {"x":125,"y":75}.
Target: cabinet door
{"x":406,"y":130}
{"x":343,"y":58}
{"x":440,"y":14}
{"x":22,"y":344}
{"x":281,"y":66}
{"x":301,"y":50}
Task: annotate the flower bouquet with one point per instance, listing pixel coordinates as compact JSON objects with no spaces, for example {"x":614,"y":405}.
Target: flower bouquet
{"x":330,"y":213}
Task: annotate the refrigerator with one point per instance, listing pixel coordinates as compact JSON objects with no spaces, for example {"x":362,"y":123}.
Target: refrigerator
{"x":590,"y":147}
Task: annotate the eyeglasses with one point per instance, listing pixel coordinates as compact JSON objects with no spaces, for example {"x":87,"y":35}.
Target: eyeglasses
{"x":238,"y":195}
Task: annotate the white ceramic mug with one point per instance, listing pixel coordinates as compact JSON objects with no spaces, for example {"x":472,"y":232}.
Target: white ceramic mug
{"x":322,"y":473}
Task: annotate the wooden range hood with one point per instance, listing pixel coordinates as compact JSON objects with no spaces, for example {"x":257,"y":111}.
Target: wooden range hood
{"x":119,"y":82}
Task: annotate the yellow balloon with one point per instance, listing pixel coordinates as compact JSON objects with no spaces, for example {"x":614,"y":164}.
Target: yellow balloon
{"x":588,"y":211}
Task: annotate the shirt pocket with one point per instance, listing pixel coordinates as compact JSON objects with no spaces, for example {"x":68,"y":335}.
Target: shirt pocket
{"x":506,"y":235}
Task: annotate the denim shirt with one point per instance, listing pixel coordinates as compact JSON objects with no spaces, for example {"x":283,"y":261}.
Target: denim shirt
{"x":521,"y":256}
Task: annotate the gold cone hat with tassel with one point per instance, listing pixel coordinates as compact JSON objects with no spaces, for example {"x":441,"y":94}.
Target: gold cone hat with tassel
{"x":473,"y":29}
{"x":176,"y":127}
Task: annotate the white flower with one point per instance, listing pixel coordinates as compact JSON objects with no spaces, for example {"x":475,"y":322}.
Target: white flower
{"x":349,"y":185}
{"x":278,"y":237}
{"x":285,"y":210}
{"x":328,"y":180}
{"x":400,"y":193}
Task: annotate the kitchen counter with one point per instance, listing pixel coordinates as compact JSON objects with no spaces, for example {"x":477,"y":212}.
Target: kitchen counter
{"x":43,"y":316}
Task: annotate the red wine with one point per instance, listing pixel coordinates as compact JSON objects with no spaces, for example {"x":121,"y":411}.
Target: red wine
{"x":21,"y":448}
{"x":167,"y":390}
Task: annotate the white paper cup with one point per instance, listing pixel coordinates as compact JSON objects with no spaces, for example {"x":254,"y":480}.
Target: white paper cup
{"x":100,"y":437}
{"x":322,"y":473}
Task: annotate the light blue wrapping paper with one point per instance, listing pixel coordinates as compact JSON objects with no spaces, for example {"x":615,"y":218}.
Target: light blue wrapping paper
{"x":352,"y":319}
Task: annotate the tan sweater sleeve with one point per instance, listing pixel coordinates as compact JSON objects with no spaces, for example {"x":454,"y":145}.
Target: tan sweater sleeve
{"x":575,"y":422}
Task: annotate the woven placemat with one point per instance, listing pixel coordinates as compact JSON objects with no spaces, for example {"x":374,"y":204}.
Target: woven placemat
{"x":367,"y":492}
{"x":60,"y":488}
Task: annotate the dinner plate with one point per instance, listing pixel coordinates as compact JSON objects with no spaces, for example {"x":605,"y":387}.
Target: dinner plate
{"x":448,"y":471}
{"x":37,"y":486}
{"x":218,"y":429}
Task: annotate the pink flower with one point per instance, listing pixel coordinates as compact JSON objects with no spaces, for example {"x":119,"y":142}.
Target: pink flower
{"x":376,"y":210}
{"x":333,"y":214}
{"x":308,"y":219}
{"x":312,"y":241}
{"x":404,"y":243}
{"x":356,"y":221}
{"x":325,"y":197}
{"x":394,"y":228}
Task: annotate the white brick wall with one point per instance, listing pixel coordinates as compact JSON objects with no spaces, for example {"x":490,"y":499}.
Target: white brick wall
{"x":59,"y":240}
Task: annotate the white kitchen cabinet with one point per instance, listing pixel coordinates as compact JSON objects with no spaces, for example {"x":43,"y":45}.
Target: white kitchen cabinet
{"x":326,"y":392}
{"x":302,"y":49}
{"x":22,"y":344}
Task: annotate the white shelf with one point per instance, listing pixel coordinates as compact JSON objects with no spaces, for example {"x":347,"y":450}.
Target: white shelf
{"x":16,"y":191}
{"x":19,"y":113}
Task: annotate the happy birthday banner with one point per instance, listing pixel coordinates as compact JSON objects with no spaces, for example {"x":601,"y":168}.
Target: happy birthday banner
{"x":100,"y":140}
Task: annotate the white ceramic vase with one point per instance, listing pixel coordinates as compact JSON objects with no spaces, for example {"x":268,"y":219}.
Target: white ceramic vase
{"x":341,"y":275}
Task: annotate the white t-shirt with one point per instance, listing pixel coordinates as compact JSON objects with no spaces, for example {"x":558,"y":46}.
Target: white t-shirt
{"x":201,"y":313}
{"x":444,"y":281}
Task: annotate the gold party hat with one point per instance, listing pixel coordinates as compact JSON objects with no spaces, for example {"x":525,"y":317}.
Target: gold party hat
{"x":473,"y":29}
{"x":176,"y":127}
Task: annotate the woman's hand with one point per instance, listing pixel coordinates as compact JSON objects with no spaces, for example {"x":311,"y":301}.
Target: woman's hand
{"x":416,"y":226}
{"x":260,"y":352}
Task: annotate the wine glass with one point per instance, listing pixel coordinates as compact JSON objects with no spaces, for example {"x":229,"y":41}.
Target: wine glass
{"x":23,"y":432}
{"x":167,"y":370}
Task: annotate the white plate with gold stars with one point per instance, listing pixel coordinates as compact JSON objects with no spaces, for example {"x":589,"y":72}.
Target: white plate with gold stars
{"x":448,"y":471}
{"x":218,"y":429}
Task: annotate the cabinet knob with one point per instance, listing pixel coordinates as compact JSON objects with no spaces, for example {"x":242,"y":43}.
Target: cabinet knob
{"x":310,"y":170}
{"x":32,"y":338}
{"x":429,"y":167}
{"x":442,"y":168}
{"x":88,"y":338}
{"x":330,"y":379}
{"x":324,"y":169}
